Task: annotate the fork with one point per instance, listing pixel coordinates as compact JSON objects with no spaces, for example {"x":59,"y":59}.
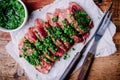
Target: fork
{"x":90,"y":56}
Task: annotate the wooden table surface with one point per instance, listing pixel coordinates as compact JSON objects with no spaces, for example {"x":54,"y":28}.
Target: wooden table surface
{"x":103,"y":68}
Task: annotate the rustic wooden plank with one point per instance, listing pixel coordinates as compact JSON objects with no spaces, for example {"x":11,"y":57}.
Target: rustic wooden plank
{"x":36,"y":4}
{"x":104,"y":68}
{"x":117,"y":41}
{"x":4,"y":36}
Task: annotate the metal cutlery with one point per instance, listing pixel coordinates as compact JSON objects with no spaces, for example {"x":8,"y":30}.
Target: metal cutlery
{"x":78,"y":55}
{"x":90,"y":55}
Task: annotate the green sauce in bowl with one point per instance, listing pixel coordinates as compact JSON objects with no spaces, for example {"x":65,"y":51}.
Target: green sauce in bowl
{"x":12,"y":14}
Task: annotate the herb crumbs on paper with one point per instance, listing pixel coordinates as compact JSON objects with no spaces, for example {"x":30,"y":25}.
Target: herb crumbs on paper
{"x":37,"y":76}
{"x":73,"y":49}
{"x":66,"y":56}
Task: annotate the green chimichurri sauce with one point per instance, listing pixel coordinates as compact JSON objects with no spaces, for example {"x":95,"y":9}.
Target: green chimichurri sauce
{"x":12,"y":14}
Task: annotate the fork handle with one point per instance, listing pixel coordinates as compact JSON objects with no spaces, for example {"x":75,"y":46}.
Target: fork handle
{"x":86,"y":66}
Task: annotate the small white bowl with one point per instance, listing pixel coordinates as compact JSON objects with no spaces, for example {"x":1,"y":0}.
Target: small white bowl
{"x":25,"y":20}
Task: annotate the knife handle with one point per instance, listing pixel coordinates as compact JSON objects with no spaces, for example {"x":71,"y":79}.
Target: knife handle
{"x":86,"y":66}
{"x":71,"y":67}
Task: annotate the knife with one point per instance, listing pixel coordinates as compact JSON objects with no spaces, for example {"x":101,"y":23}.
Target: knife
{"x":78,"y":55}
{"x":90,"y":55}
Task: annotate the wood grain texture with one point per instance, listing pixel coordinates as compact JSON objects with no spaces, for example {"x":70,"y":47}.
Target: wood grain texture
{"x":36,"y":4}
{"x":106,"y":68}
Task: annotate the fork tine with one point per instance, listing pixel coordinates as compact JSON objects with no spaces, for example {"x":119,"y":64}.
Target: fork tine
{"x":104,"y":15}
{"x":106,"y":23}
{"x":105,"y":19}
{"x":108,"y":20}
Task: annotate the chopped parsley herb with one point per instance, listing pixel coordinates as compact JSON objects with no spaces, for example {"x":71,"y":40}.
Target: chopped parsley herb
{"x":36,"y":53}
{"x":81,"y":27}
{"x":86,"y":29}
{"x":55,"y":19}
{"x":49,"y":43}
{"x":46,"y":59}
{"x":64,"y":21}
{"x":70,"y":15}
{"x":32,"y":59}
{"x":20,"y":55}
{"x":37,"y":76}
{"x":24,"y":49}
{"x":66,"y":56}
{"x":73,"y":49}
{"x":56,"y":57}
{"x":71,"y":41}
{"x":69,"y":30}
{"x":58,"y":33}
{"x":28,"y":44}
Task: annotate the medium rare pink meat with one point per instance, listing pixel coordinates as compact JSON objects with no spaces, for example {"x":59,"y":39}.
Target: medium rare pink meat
{"x":30,"y":35}
{"x":77,"y":39}
{"x":91,"y":24}
{"x":86,"y":35}
{"x":32,"y":39}
{"x":44,"y":67}
{"x":61,"y":45}
{"x":21,"y":45}
{"x":56,"y":24}
{"x":73,"y":7}
{"x":60,"y":52}
{"x":39,"y":28}
{"x":29,"y":51}
{"x":64,"y":14}
{"x":41,"y":35}
{"x":49,"y":17}
{"x":42,"y":70}
{"x":37,"y":21}
{"x":67,"y":44}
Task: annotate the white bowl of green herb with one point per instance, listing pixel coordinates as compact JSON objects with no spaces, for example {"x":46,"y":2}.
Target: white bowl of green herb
{"x":13,"y":15}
